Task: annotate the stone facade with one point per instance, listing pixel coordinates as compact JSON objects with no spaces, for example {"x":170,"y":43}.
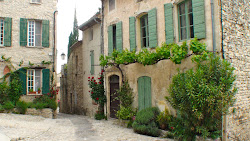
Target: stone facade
{"x":76,"y":98}
{"x":162,"y":72}
{"x":236,"y":44}
{"x":17,"y":9}
{"x":74,"y":79}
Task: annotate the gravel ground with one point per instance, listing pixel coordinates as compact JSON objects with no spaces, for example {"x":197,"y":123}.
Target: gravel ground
{"x":66,"y":128}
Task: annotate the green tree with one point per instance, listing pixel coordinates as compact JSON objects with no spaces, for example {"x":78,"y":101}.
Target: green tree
{"x":73,"y":37}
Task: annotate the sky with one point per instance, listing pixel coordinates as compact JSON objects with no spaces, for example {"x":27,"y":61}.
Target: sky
{"x":85,"y":9}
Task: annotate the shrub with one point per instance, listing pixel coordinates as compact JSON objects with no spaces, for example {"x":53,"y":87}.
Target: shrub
{"x":21,"y":107}
{"x":100,"y":116}
{"x":125,"y":113}
{"x":1,"y":108}
{"x":164,"y":118}
{"x":8,"y":105}
{"x":125,"y":95}
{"x":52,"y":104}
{"x":145,"y":122}
{"x":39,"y":105}
{"x":4,"y":88}
{"x":30,"y":105}
{"x":201,"y":97}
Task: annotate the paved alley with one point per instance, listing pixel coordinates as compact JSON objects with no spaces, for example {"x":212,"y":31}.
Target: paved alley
{"x":66,"y":128}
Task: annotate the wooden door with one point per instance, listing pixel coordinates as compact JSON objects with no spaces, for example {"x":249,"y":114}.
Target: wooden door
{"x":114,"y":103}
{"x":144,"y":92}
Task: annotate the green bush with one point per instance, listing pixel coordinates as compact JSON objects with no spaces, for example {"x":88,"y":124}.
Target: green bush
{"x":1,"y":108}
{"x":100,"y":116}
{"x":8,"y":105}
{"x":125,"y":95}
{"x":30,"y":105}
{"x":39,"y":105}
{"x":164,"y":118}
{"x":21,"y":107}
{"x":125,"y":113}
{"x":201,"y":97}
{"x":4,"y":88}
{"x":52,"y":104}
{"x":145,"y":122}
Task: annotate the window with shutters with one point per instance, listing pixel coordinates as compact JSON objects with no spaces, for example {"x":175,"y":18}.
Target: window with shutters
{"x":185,"y":16}
{"x":144,"y":31}
{"x":111,"y":5}
{"x":1,"y":32}
{"x":34,"y":81}
{"x":92,"y":71}
{"x":91,"y":34}
{"x":34,"y":33}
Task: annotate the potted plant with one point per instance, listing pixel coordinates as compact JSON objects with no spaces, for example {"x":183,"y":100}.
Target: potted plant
{"x":39,"y":90}
{"x":31,"y":91}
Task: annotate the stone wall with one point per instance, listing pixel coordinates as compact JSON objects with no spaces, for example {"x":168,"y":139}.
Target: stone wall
{"x":47,"y":113}
{"x":236,"y":44}
{"x":17,"y":9}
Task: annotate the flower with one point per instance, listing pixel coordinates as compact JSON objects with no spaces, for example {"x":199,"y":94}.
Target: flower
{"x":97,"y":98}
{"x":172,"y":128}
{"x":102,"y":70}
{"x":92,"y":92}
{"x":99,"y":78}
{"x":92,"y":77}
{"x":100,"y":82}
{"x":95,"y":82}
{"x":88,"y":77}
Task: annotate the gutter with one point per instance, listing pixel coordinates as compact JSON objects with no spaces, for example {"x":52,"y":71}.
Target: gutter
{"x":222,"y":38}
{"x":54,"y":42}
{"x":212,"y":14}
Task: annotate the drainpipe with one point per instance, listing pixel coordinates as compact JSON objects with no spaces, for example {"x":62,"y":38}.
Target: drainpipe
{"x":54,"y":37}
{"x":212,"y":14}
{"x":222,"y":38}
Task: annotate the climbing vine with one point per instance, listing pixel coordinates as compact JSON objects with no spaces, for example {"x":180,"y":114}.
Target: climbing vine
{"x":174,"y":52}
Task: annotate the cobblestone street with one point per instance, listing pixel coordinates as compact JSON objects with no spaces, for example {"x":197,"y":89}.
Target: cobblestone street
{"x":66,"y":128}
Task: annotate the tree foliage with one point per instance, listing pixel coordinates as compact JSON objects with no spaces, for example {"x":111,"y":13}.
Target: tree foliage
{"x":201,"y":97}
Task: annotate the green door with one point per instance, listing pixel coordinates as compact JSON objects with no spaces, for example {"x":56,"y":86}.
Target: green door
{"x":144,"y":92}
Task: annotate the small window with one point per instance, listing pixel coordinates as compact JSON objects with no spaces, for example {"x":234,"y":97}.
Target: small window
{"x":1,"y":32}
{"x":34,"y":33}
{"x":144,"y":31}
{"x":111,"y":5}
{"x":114,"y":37}
{"x":92,"y":71}
{"x":185,"y":16}
{"x":34,"y":81}
{"x":91,"y":34}
{"x":35,"y":1}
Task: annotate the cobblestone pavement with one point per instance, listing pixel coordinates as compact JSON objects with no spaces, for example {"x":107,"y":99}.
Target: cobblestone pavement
{"x":66,"y":128}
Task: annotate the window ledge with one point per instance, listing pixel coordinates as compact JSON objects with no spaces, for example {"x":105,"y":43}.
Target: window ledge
{"x":36,"y":3}
{"x":40,"y":47}
{"x":34,"y":94}
{"x":2,"y":46}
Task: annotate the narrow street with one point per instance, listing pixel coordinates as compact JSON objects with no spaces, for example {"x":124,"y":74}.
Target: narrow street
{"x":66,"y":128}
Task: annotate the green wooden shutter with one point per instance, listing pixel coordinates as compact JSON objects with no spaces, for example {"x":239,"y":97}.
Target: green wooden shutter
{"x":169,"y":26}
{"x":147,"y":90}
{"x":110,"y":40}
{"x":199,"y":18}
{"x":92,"y":62}
{"x":45,"y":33}
{"x":23,"y":32}
{"x":141,"y":104}
{"x":119,"y":36}
{"x":152,"y":25}
{"x":132,"y":33}
{"x":46,"y":76}
{"x":23,"y":77}
{"x":7,"y":31}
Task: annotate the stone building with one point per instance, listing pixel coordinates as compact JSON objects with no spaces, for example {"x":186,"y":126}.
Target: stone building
{"x":138,"y":24}
{"x":83,"y":63}
{"x":236,"y":47}
{"x":28,"y":36}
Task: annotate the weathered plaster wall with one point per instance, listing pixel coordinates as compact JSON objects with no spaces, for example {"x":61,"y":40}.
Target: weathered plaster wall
{"x":90,"y":45}
{"x":162,"y":72}
{"x":236,"y":43}
{"x":17,"y":9}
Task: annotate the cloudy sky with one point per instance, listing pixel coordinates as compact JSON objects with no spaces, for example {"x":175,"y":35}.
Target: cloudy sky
{"x":85,"y":9}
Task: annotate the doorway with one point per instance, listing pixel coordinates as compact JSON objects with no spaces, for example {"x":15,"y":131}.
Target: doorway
{"x":114,"y":103}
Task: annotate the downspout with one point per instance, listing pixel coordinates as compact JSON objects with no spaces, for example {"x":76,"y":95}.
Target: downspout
{"x":223,"y":118}
{"x":54,"y":37}
{"x":222,"y":38}
{"x":102,"y":48}
{"x":213,"y":31}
